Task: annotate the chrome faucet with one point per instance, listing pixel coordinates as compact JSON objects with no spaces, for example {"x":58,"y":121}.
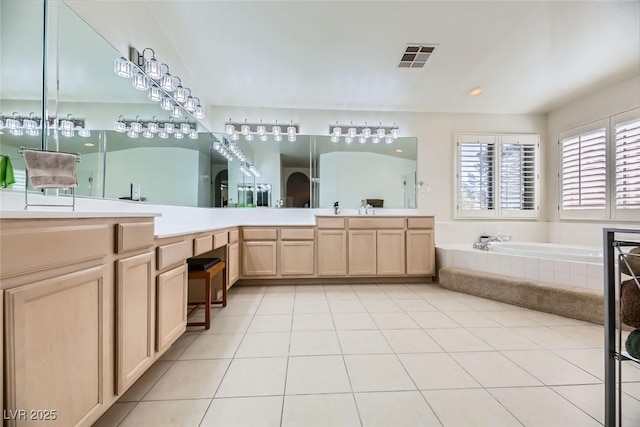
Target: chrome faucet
{"x":483,"y":242}
{"x":366,"y":210}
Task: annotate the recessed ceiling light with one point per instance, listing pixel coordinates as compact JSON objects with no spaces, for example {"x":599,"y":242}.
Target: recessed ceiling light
{"x":399,"y":150}
{"x":89,"y":144}
{"x":476,"y":91}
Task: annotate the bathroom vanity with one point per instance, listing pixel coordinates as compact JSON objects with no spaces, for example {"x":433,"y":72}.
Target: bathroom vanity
{"x":92,"y":300}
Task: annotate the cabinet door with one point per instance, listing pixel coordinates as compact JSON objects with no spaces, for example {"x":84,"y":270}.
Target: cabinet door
{"x":172,"y":306}
{"x":259,"y":258}
{"x":362,"y":253}
{"x":233,"y":264}
{"x":54,"y":348}
{"x":390,"y":252}
{"x":420,"y":252}
{"x":135,"y":308}
{"x":332,"y":252}
{"x":297,"y":258}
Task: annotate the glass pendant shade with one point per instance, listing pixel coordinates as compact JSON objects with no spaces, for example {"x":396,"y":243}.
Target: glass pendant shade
{"x":366,"y":132}
{"x":216,"y":146}
{"x":169,"y":127}
{"x":235,"y":135}
{"x":291,"y":130}
{"x":168,"y":82}
{"x":33,"y":132}
{"x":12,"y":124}
{"x":29,"y":124}
{"x":351,"y":132}
{"x":229,"y":129}
{"x":264,"y":137}
{"x":181,"y":94}
{"x":140,"y":82}
{"x":85,"y":133}
{"x":153,"y":127}
{"x":291,"y":138}
{"x":348,"y":139}
{"x":166,"y":104}
{"x":163,"y":134}
{"x":190,"y":104}
{"x":388,"y":139}
{"x":277,"y":137}
{"x":67,"y":125}
{"x":245,"y":129}
{"x":337,"y":131}
{"x":132,"y":134}
{"x":394,"y":133}
{"x":185,"y":128}
{"x":1,"y":123}
{"x":154,"y":69}
{"x":123,"y":68}
{"x":276,"y":130}
{"x":136,"y":127}
{"x":380,"y":132}
{"x":262,"y":131}
{"x":193,"y":134}
{"x":155,"y":94}
{"x":67,"y":133}
{"x":362,"y":139}
{"x":147,"y":133}
{"x":334,"y":138}
{"x":199,"y":113}
{"x":248,"y":137}
{"x":178,"y":135}
{"x":120,"y":126}
{"x":16,"y":132}
{"x":375,"y":139}
{"x":176,"y":112}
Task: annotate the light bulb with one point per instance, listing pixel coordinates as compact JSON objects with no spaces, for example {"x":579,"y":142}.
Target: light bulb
{"x":169,"y":127}
{"x":362,"y":139}
{"x":337,"y":131}
{"x":277,"y":137}
{"x":147,"y":133}
{"x":291,"y":138}
{"x":245,"y":129}
{"x":229,"y":128}
{"x":264,"y":137}
{"x":132,"y":134}
{"x":334,"y":138}
{"x":291,"y":130}
{"x":178,"y":135}
{"x":168,"y":82}
{"x":166,"y":103}
{"x":153,"y":68}
{"x":375,"y":139}
{"x":67,"y":124}
{"x":193,"y":134}
{"x":351,"y":132}
{"x":120,"y":126}
{"x":261,"y":131}
{"x":366,"y":132}
{"x":276,"y":130}
{"x":248,"y":137}
{"x":180,"y":94}
{"x":190,"y":104}
{"x":185,"y":128}
{"x":136,"y":127}
{"x":153,"y":127}
{"x":380,"y":132}
{"x":394,"y":133}
{"x":176,"y":112}
{"x":163,"y":134}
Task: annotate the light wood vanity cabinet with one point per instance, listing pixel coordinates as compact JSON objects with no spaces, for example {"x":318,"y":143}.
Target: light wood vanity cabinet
{"x":390,"y":252}
{"x":171,"y":315}
{"x":362,"y":253}
{"x":297,"y":252}
{"x":233,"y":263}
{"x":259,"y":251}
{"x":420,"y":252}
{"x":332,"y":247}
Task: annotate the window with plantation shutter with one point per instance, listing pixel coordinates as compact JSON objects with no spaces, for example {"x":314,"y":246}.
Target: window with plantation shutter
{"x":627,"y":163}
{"x":497,"y":176}
{"x":584,"y":173}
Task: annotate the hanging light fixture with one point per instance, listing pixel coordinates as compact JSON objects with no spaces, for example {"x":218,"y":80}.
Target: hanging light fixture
{"x":147,"y":133}
{"x":163,"y":134}
{"x":169,"y":127}
{"x":261,"y":129}
{"x":334,"y":138}
{"x":120,"y":125}
{"x":291,"y":133}
{"x":394,"y":131}
{"x":366,"y":131}
{"x":30,"y":124}
{"x":276,"y":130}
{"x":337,"y":131}
{"x":381,"y":133}
{"x":153,"y":125}
{"x":181,"y":94}
{"x":155,"y":94}
{"x":176,"y":112}
{"x":168,"y":83}
{"x":375,"y":139}
{"x":352,"y":131}
{"x":190,"y":104}
{"x":245,"y":129}
{"x":178,"y":135}
{"x":140,"y":82}
{"x":136,"y":126}
{"x":199,"y":113}
{"x":152,"y":67}
{"x":193,"y":134}
{"x":85,"y":133}
{"x":67,"y":124}
{"x":229,"y":128}
{"x":132,"y":134}
{"x":12,"y":123}
{"x":166,"y":103}
{"x":185,"y":127}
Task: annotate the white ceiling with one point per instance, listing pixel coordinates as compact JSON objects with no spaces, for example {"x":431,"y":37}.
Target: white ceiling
{"x":530,"y":57}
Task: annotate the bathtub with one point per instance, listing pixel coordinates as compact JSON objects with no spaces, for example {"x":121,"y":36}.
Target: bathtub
{"x":566,"y":265}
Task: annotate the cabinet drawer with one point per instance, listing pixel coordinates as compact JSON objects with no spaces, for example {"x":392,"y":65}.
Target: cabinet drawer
{"x":132,"y":236}
{"x":259,"y":234}
{"x":330,"y":222}
{"x":220,"y":239}
{"x":297,"y":233}
{"x":174,"y":253}
{"x":376,"y":222}
{"x":29,"y":247}
{"x":202,"y":245}
{"x":419,"y":222}
{"x":234,"y":235}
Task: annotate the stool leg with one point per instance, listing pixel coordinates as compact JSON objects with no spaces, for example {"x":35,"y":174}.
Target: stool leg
{"x":207,"y":304}
{"x":224,"y":287}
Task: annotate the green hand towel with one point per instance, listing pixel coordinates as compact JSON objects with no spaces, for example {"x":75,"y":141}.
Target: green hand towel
{"x":6,"y":172}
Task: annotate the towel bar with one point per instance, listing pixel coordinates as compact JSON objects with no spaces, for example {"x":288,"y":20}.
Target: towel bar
{"x":22,"y":152}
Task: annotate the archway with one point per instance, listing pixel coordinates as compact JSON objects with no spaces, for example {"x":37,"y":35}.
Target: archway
{"x":220,"y":189}
{"x":298,"y":191}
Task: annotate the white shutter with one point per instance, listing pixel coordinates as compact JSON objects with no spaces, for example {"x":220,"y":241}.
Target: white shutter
{"x":476,"y":176}
{"x":627,"y":164}
{"x":583,"y":170}
{"x":518,"y":176}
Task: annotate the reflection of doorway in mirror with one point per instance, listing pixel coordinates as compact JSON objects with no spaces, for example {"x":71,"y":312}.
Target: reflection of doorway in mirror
{"x":409,"y":182}
{"x":245,"y":195}
{"x":297,"y":191}
{"x":263,"y":195}
{"x":221,"y":189}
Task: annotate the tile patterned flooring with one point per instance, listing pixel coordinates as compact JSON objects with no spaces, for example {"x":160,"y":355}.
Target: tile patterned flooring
{"x":376,"y":355}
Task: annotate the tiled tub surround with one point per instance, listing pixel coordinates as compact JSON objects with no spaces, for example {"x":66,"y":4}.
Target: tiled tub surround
{"x":579,"y":274}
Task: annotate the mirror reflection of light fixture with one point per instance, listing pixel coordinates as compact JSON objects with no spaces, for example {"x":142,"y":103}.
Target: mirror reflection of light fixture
{"x":136,"y":126}
{"x":388,"y":134}
{"x":166,"y":103}
{"x":193,"y":134}
{"x":66,"y":133}
{"x":155,"y":94}
{"x":176,"y":112}
{"x":153,"y":125}
{"x":185,"y":128}
{"x":163,"y":134}
{"x":248,"y":131}
{"x":132,"y":134}
{"x":140,"y":82}
{"x":178,"y":135}
{"x":149,"y":129}
{"x":67,"y":124}
{"x":85,"y":133}
{"x":31,"y":125}
{"x":147,"y":133}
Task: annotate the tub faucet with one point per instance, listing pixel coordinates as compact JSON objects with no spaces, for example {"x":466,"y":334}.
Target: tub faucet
{"x":483,"y":242}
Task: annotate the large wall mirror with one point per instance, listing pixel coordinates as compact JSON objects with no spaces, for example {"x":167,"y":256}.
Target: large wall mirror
{"x":83,"y":88}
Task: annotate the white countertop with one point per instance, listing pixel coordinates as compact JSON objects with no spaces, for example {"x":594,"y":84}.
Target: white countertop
{"x":11,"y":214}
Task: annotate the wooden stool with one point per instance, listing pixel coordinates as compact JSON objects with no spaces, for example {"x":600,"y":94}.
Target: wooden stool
{"x":207,"y":269}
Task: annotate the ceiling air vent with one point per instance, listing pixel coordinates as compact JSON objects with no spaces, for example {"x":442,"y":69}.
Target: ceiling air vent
{"x":415,"y":56}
